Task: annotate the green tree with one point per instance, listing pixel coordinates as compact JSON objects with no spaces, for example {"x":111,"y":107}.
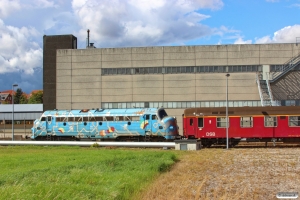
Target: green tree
{"x":36,"y":98}
{"x":20,"y":97}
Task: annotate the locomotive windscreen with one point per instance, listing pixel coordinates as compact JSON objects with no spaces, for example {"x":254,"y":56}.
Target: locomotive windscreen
{"x":162,"y":113}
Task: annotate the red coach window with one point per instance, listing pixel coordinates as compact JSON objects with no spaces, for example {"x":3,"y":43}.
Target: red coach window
{"x":246,"y":122}
{"x":294,"y":121}
{"x":221,"y":122}
{"x":270,"y":121}
{"x":191,"y":122}
{"x":200,"y":122}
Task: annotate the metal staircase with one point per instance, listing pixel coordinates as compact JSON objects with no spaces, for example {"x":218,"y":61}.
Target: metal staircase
{"x":264,"y":87}
{"x":265,"y":91}
{"x":285,"y":68}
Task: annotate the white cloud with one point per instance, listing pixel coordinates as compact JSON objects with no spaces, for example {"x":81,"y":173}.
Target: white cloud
{"x":272,"y":1}
{"x":142,"y":22}
{"x":240,"y":40}
{"x":296,"y":5}
{"x":8,"y":6}
{"x":44,"y":4}
{"x":17,"y":51}
{"x":287,"y":34}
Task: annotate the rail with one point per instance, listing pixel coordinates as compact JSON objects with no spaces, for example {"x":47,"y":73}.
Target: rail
{"x":88,"y":144}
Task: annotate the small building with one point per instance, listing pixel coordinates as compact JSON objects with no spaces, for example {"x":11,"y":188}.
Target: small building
{"x":5,"y":98}
{"x":24,"y":116}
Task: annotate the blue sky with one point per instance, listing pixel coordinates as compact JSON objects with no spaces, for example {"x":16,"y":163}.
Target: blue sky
{"x":134,"y":23}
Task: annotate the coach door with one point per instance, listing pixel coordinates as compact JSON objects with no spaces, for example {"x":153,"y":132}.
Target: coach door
{"x":147,"y":124}
{"x":49,"y":125}
{"x":192,"y":127}
{"x":92,"y":126}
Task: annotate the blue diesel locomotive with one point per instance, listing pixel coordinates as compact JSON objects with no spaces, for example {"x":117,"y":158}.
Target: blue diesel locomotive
{"x":138,"y":124}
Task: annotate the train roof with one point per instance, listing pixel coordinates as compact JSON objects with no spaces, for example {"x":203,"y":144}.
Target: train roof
{"x":238,"y":111}
{"x":104,"y":112}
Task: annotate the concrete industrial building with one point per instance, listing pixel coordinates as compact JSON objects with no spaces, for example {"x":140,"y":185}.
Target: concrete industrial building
{"x":175,"y":77}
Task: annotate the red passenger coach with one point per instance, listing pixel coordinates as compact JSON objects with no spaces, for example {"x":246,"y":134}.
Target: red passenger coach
{"x":277,"y":123}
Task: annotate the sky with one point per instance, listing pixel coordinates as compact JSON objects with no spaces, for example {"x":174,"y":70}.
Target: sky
{"x":134,"y":23}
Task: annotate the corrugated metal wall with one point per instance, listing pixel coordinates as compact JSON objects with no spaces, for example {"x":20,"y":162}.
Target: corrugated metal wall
{"x":20,"y":116}
{"x":21,"y":111}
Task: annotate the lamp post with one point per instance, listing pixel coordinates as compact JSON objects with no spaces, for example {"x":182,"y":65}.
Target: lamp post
{"x":227,"y":75}
{"x":12,"y":127}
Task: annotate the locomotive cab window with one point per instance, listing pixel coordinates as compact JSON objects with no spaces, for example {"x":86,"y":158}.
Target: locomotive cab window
{"x":246,"y":122}
{"x":221,"y":122}
{"x":162,"y":113}
{"x":270,"y":121}
{"x":294,"y":121}
{"x":154,"y":117}
{"x":147,"y":117}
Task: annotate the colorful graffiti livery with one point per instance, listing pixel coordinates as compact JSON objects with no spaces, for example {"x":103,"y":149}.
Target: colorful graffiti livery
{"x":150,"y":124}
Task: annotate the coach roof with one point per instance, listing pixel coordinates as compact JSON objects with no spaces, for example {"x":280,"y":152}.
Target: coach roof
{"x":237,"y":111}
{"x":106,"y":112}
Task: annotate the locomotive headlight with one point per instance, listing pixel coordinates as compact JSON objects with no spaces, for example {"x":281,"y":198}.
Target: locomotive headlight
{"x":171,"y":127}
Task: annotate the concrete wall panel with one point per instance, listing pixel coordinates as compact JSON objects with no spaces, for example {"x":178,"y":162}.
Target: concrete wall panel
{"x":179,"y":62}
{"x":86,"y":65}
{"x":87,"y":85}
{"x":211,"y":55}
{"x":65,"y":86}
{"x":63,"y":72}
{"x":143,"y":98}
{"x":63,"y":99}
{"x":63,"y":79}
{"x":116,"y":51}
{"x":63,"y":59}
{"x":147,"y":50}
{"x":85,"y":105}
{"x":117,"y":91}
{"x":86,"y":72}
{"x":87,"y":92}
{"x":116,"y":64}
{"x":148,"y":63}
{"x":86,"y":79}
{"x":179,"y":49}
{"x":63,"y":93}
{"x":63,"y":65}
{"x":116,"y":98}
{"x":147,"y":57}
{"x":61,"y":105}
{"x":83,"y":98}
{"x":86,"y":58}
{"x":211,"y":62}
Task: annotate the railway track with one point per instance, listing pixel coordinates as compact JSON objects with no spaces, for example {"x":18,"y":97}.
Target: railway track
{"x":243,"y":144}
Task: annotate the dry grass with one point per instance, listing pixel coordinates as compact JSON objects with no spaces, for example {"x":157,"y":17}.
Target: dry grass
{"x":230,"y":174}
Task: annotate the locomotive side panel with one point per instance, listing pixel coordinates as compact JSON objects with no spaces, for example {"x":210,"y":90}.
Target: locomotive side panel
{"x":105,"y":124}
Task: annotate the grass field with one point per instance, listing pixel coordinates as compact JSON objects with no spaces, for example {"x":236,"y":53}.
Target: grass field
{"x":35,"y":172}
{"x":100,"y":173}
{"x":249,"y":173}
